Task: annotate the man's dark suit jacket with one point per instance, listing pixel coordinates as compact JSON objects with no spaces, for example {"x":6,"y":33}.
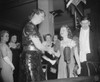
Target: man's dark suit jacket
{"x":93,"y":56}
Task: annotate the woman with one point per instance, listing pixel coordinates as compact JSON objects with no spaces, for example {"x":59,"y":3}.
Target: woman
{"x":56,"y":42}
{"x":15,"y":48}
{"x":30,"y":61}
{"x":6,"y":58}
{"x":68,"y":57}
{"x":50,"y":57}
{"x":13,"y":42}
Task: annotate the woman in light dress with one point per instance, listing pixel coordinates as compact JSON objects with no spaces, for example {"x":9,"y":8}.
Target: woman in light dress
{"x":6,"y":58}
{"x":66,"y":68}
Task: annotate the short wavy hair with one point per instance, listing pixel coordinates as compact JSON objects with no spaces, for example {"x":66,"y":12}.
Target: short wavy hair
{"x":2,"y":33}
{"x":46,"y":36}
{"x":36,"y":11}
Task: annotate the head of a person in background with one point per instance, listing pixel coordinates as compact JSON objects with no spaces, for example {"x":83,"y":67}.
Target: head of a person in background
{"x":37,"y":16}
{"x":65,"y":32}
{"x":48,"y":38}
{"x":76,"y":39}
{"x":85,"y":23}
{"x":14,"y":39}
{"x":55,"y":38}
{"x":4,"y":36}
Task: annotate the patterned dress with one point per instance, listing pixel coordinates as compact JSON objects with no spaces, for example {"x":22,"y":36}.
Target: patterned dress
{"x":30,"y":60}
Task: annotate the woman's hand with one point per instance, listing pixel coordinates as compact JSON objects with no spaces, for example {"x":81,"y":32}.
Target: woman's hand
{"x":53,"y":62}
{"x":79,"y":70}
{"x":18,"y":45}
{"x":48,"y":59}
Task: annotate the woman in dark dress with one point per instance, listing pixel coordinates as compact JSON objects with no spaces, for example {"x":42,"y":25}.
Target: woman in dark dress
{"x":15,"y":48}
{"x":30,"y":60}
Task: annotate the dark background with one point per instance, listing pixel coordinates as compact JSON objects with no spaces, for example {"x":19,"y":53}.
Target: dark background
{"x":14,"y":14}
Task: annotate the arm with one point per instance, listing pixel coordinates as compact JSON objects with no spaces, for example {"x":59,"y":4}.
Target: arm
{"x":7,"y":60}
{"x":57,"y":54}
{"x":49,"y":60}
{"x":37,"y":42}
{"x":5,"y":57}
{"x":17,"y":45}
{"x":77,"y":58}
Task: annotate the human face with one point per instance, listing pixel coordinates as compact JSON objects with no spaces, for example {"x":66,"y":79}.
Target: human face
{"x":63,"y":32}
{"x":5,"y":37}
{"x":37,"y":19}
{"x":14,"y":38}
{"x":55,"y":37}
{"x":48,"y":38}
{"x":85,"y":24}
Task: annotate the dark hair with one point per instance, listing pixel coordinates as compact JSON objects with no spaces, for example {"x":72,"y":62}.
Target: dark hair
{"x":69,"y":31}
{"x":2,"y":33}
{"x":46,"y":36}
{"x":54,"y":36}
{"x":13,"y":36}
{"x":36,"y":11}
{"x":85,"y":18}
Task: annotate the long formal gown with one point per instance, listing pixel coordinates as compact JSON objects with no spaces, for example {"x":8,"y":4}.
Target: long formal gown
{"x":6,"y":72}
{"x":15,"y":60}
{"x":30,"y":60}
{"x":62,"y":66}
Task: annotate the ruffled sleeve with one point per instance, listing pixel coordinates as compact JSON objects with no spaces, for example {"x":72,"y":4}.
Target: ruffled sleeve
{"x":72,"y":43}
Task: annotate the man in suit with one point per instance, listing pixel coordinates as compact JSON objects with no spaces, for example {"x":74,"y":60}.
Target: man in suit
{"x":87,"y":51}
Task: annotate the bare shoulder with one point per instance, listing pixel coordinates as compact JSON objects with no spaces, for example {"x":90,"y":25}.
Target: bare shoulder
{"x":3,"y":46}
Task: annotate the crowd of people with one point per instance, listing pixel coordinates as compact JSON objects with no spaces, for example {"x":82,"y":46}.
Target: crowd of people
{"x":63,"y":58}
{"x":9,"y":57}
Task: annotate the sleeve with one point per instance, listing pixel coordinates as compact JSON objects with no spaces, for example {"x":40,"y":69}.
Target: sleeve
{"x":44,"y":45}
{"x":73,"y":44}
{"x":27,"y":31}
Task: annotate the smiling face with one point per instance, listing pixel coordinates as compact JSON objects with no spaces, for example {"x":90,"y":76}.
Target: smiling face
{"x":63,"y":32}
{"x":5,"y":37}
{"x":48,"y":38}
{"x":14,"y":38}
